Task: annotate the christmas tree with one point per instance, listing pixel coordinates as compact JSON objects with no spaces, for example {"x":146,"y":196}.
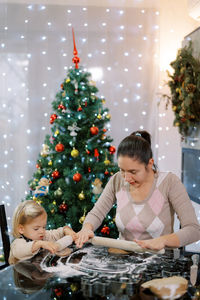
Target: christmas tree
{"x":77,"y":159}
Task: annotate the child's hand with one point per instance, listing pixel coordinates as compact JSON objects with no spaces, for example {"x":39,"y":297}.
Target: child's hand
{"x":51,"y":246}
{"x":68,"y":231}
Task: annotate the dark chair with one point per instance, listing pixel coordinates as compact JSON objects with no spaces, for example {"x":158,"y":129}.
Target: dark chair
{"x":5,"y":237}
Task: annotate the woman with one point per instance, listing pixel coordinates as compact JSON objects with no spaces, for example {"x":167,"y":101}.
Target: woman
{"x":146,"y":201}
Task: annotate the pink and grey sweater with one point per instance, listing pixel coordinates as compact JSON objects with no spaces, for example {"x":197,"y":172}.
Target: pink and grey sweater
{"x":152,"y":217}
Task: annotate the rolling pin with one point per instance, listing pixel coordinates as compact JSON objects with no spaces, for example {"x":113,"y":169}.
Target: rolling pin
{"x":121,"y":244}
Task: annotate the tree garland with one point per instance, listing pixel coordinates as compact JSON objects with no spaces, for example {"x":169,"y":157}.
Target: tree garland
{"x":185,"y":90}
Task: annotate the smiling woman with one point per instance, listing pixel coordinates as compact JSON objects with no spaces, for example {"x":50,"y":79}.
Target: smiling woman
{"x":146,"y":199}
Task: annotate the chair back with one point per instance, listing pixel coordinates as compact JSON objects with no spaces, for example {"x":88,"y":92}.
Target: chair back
{"x":4,"y":235}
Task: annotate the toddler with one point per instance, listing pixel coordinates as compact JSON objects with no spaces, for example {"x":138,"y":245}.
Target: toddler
{"x":29,"y":231}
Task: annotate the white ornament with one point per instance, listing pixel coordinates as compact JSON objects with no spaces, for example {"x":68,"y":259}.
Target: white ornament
{"x":73,"y":129}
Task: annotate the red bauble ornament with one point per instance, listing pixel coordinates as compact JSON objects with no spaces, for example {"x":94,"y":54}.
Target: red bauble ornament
{"x":89,"y":169}
{"x":104,"y":130}
{"x":94,"y":130}
{"x":76,"y":61}
{"x":59,"y":147}
{"x":105,"y":230}
{"x":106,"y":172}
{"x":58,"y":292}
{"x":63,"y":207}
{"x":55,"y":174}
{"x":85,"y":103}
{"x":53,"y":118}
{"x":61,"y":106}
{"x":112,"y":149}
{"x":62,"y":86}
{"x":79,"y":108}
{"x":87,"y":151}
{"x":77,"y":177}
{"x":96,"y":153}
{"x":37,"y":166}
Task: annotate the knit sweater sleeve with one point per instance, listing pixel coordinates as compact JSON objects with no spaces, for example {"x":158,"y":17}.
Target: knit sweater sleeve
{"x":54,"y":234}
{"x":190,"y":229}
{"x":21,"y":250}
{"x":103,"y":205}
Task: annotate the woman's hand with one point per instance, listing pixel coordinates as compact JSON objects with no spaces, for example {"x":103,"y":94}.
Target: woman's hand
{"x":153,"y":244}
{"x":168,"y":240}
{"x":84,"y":235}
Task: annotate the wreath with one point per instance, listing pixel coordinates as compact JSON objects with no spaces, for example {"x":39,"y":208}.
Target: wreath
{"x":185,"y":90}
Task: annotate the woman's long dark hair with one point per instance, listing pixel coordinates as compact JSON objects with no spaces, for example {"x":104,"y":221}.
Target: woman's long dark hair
{"x":136,"y":146}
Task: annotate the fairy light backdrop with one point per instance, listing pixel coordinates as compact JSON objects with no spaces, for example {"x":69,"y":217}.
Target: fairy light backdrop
{"x":119,"y":45}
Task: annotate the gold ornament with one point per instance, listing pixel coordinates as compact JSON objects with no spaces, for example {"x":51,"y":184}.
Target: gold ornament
{"x":106,"y":162}
{"x":74,"y":152}
{"x":56,"y":132}
{"x":177,"y":124}
{"x":99,"y":116}
{"x":52,"y":211}
{"x":82,"y":219}
{"x":81,"y":196}
{"x":174,"y":108}
{"x":67,"y":80}
{"x":103,"y":101}
{"x":54,"y":202}
{"x":73,"y":287}
{"x":50,"y":163}
{"x":103,"y":137}
{"x":34,"y":198}
{"x":108,"y":116}
{"x":64,"y":94}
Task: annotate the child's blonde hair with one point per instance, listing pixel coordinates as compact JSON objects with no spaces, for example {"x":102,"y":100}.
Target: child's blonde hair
{"x":24,"y":213}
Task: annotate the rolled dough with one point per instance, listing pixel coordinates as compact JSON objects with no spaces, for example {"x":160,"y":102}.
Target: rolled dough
{"x":117,"y":251}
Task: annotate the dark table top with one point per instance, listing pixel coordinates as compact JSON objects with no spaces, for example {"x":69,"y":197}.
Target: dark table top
{"x":92,"y":273}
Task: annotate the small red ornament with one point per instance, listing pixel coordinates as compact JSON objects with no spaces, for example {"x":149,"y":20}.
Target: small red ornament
{"x":59,"y":147}
{"x":89,"y":169}
{"x":79,"y":108}
{"x":183,"y":120}
{"x":58,"y":292}
{"x":55,"y":174}
{"x":94,"y":130}
{"x":96,"y":153}
{"x":85,"y":103}
{"x":77,"y":177}
{"x":106,"y":172}
{"x":112,"y":149}
{"x":87,"y":151}
{"x":75,"y":59}
{"x":61,"y":106}
{"x":105,"y":230}
{"x":63,"y":207}
{"x":62,"y":86}
{"x":104,"y":130}
{"x":37,"y":166}
{"x":53,"y":118}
